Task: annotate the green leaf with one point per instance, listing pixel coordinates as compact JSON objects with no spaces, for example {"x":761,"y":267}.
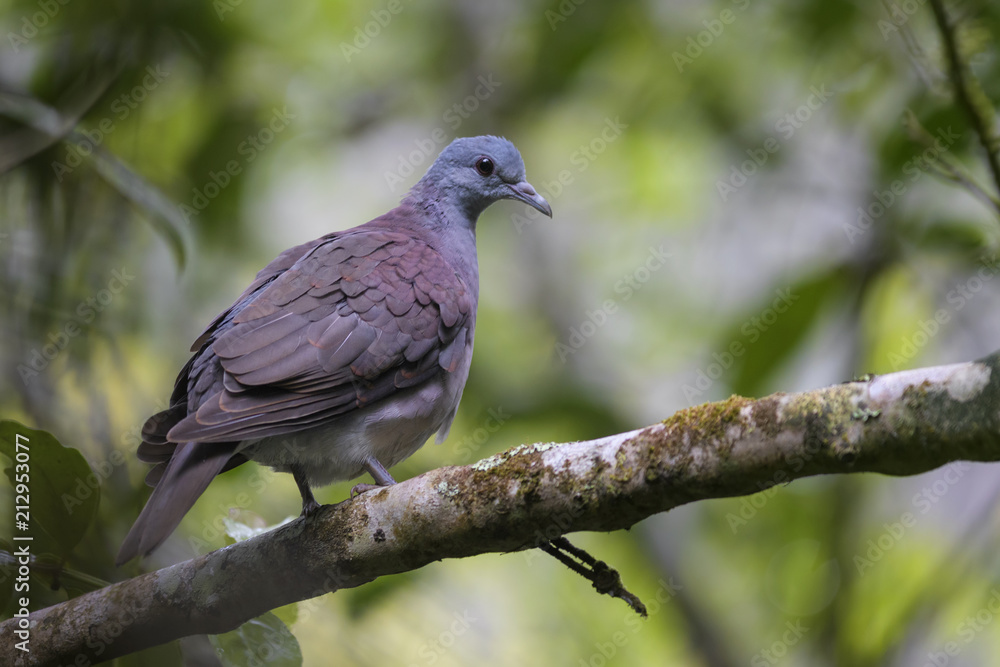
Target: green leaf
{"x":265,"y":640}
{"x":163,"y":214}
{"x":959,"y":236}
{"x":772,"y":332}
{"x":288,"y":614}
{"x":61,"y":502}
{"x":898,"y":316}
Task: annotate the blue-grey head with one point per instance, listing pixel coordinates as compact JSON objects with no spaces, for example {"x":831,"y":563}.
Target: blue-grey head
{"x":473,"y":172}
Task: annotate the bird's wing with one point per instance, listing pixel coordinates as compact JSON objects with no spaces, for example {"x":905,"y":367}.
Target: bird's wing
{"x":354,"y":319}
{"x":275,"y":268}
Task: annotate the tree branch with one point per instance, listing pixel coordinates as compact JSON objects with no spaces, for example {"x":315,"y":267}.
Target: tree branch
{"x":968,"y":92}
{"x":947,"y":166}
{"x":898,"y":424}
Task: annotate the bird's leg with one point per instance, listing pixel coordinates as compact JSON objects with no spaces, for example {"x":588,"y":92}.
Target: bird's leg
{"x":309,"y":504}
{"x":378,"y":473}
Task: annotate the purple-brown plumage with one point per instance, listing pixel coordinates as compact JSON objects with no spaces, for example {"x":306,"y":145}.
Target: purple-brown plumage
{"x":343,"y":356}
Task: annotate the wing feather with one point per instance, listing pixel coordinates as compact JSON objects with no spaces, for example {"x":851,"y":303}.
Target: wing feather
{"x":327,"y":328}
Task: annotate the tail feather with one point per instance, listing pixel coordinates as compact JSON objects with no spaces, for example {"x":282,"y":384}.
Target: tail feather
{"x":154,"y":431}
{"x":184,"y":478}
{"x":156,"y":473}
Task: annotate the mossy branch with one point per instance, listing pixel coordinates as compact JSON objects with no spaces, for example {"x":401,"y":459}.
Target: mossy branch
{"x":898,"y":424}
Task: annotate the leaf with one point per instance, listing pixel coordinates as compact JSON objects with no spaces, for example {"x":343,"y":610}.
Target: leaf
{"x":163,"y":214}
{"x":769,"y":336}
{"x":62,"y":503}
{"x":48,"y":125}
{"x":899,"y":319}
{"x":265,"y":640}
{"x":51,"y":125}
{"x":949,"y":235}
{"x":288,"y":614}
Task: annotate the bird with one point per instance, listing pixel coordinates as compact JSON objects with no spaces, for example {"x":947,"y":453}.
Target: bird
{"x":343,"y":356}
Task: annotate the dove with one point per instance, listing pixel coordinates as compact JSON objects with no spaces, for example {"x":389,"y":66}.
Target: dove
{"x":343,"y":356}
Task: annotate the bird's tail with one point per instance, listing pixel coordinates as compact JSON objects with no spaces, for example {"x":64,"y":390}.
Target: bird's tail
{"x":185,"y":476}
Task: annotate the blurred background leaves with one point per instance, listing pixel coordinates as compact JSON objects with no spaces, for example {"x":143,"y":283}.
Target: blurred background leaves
{"x":154,"y":155}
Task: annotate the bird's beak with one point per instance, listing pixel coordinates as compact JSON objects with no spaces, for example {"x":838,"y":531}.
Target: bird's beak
{"x":524,"y":191}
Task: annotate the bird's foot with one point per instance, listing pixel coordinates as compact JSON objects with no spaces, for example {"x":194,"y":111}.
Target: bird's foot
{"x":358,"y":489}
{"x":310,"y":506}
{"x":379,"y":474}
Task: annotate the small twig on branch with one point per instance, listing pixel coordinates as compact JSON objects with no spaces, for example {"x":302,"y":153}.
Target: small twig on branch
{"x":968,"y":91}
{"x":945,"y":166}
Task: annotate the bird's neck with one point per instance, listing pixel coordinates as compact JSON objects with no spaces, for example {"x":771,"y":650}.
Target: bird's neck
{"x":452,"y":203}
{"x":448,"y":228}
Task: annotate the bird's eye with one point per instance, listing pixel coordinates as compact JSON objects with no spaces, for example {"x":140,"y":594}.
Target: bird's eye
{"x":484,"y":166}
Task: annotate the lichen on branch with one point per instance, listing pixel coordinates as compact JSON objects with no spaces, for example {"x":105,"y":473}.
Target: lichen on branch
{"x":899,"y":424}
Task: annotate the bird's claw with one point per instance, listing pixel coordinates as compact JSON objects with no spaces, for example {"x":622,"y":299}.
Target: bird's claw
{"x":310,"y":507}
{"x":358,"y":489}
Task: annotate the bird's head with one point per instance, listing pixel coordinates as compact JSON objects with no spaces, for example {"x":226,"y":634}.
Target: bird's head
{"x":473,"y":172}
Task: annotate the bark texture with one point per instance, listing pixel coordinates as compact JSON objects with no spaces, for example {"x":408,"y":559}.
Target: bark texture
{"x":898,"y":424}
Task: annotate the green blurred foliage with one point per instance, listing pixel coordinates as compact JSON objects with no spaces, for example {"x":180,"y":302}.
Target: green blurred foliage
{"x":54,"y":484}
{"x":154,"y":155}
{"x":263,"y":640}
